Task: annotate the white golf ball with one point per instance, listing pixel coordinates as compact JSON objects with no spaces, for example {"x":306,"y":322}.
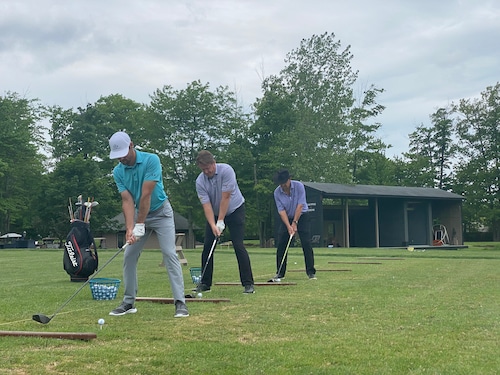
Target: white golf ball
{"x":101,"y":321}
{"x":278,"y":280}
{"x":200,"y":295}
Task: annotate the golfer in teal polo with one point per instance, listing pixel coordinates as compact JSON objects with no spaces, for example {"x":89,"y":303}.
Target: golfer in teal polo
{"x":146,"y":208}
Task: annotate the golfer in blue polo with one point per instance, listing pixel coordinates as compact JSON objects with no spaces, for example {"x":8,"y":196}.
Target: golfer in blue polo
{"x":290,"y":198}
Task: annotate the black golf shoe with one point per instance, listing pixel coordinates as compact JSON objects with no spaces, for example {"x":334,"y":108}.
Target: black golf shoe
{"x":202,"y":288}
{"x":249,"y":289}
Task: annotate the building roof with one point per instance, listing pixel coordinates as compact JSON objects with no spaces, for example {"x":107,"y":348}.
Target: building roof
{"x":378,"y":191}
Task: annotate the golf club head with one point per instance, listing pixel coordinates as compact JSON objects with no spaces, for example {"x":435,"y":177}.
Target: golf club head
{"x":40,"y":318}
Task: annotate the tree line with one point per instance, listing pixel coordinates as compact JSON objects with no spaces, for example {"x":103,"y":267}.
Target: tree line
{"x":310,"y":119}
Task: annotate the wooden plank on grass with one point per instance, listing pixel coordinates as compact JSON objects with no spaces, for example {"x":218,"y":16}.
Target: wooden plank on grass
{"x":277,"y":283}
{"x":323,"y":270}
{"x":339,"y":262}
{"x":188,"y":299}
{"x":55,"y":335}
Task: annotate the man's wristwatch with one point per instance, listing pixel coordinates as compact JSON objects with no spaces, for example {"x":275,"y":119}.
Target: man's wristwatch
{"x":295,"y":221}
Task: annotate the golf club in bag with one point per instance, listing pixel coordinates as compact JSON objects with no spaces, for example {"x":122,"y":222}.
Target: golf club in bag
{"x":275,"y":279}
{"x":44,"y":319}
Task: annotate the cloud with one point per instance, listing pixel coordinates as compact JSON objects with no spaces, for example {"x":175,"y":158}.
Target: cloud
{"x":424,"y":54}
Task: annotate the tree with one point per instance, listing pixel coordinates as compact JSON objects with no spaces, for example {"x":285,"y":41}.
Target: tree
{"x":183,"y":122}
{"x":80,"y":148}
{"x":368,"y":163}
{"x":445,"y":147}
{"x":478,"y":171}
{"x":21,"y":162}
{"x":376,"y":169}
{"x":317,"y":130}
{"x":73,"y":176}
{"x":428,"y":163}
{"x":86,"y":131}
{"x":309,"y":121}
{"x":418,"y":166}
{"x":274,"y":116}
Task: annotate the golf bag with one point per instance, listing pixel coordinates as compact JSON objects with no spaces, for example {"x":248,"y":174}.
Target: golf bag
{"x":80,"y":258}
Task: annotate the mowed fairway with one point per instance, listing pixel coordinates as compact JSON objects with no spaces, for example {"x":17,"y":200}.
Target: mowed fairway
{"x":380,"y":311}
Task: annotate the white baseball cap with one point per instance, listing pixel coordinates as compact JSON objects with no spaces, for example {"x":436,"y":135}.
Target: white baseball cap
{"x":119,"y":144}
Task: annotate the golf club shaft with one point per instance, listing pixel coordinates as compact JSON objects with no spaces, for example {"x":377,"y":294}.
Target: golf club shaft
{"x":284,"y":255}
{"x":90,"y":278}
{"x":208,"y":259}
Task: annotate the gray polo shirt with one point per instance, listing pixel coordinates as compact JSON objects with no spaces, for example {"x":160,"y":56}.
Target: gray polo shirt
{"x":211,"y":189}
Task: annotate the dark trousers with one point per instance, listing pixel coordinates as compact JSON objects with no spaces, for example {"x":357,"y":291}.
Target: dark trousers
{"x":236,"y":225}
{"x":304,"y":232}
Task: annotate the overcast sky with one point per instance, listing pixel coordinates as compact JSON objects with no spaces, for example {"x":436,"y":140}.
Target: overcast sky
{"x":424,"y":53}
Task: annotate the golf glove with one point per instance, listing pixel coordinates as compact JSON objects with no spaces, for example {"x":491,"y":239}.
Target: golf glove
{"x":139,"y":230}
{"x":221,"y":226}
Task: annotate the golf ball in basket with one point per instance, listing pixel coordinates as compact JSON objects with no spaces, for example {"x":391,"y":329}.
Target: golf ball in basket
{"x":101,"y":321}
{"x":200,"y":295}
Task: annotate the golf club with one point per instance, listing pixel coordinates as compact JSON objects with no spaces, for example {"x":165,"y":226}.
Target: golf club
{"x":44,"y":319}
{"x":71,"y":213}
{"x":274,"y":279}
{"x":208,"y":260}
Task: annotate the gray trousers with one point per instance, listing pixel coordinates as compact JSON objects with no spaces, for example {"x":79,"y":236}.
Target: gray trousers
{"x":160,"y":221}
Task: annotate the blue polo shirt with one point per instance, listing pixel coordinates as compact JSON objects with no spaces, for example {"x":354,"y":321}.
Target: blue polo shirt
{"x":211,"y":189}
{"x":147,"y":168}
{"x":290,"y":202}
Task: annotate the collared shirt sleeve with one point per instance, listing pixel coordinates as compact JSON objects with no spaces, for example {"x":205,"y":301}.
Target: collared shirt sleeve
{"x":278,"y":196}
{"x":228,"y":179}
{"x":201,"y":189}
{"x":118,"y":177}
{"x":301,"y":195}
{"x":152,"y":171}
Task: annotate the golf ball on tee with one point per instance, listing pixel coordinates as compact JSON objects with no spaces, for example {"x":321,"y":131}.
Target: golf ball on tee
{"x":101,"y":321}
{"x":200,"y":295}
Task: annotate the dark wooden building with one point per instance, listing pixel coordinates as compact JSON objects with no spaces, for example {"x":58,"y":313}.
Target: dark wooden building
{"x":382,"y":216}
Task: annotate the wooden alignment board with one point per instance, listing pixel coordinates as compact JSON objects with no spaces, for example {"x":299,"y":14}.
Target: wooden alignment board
{"x":267,"y":283}
{"x":188,"y":300}
{"x":86,"y":336}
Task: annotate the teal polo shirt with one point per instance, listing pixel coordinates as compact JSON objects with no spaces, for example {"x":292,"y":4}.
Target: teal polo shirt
{"x":147,"y":168}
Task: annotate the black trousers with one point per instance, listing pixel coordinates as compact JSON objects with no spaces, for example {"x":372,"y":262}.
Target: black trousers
{"x":304,"y":232}
{"x":236,"y":225}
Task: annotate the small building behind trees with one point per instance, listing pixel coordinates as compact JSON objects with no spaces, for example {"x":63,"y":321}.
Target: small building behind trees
{"x":382,"y":216}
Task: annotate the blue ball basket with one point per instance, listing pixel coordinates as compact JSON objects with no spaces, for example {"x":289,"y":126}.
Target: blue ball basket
{"x":104,"y":288}
{"x":195,"y":274}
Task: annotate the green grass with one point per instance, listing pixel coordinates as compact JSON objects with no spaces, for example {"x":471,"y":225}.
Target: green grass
{"x":432,"y":312}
